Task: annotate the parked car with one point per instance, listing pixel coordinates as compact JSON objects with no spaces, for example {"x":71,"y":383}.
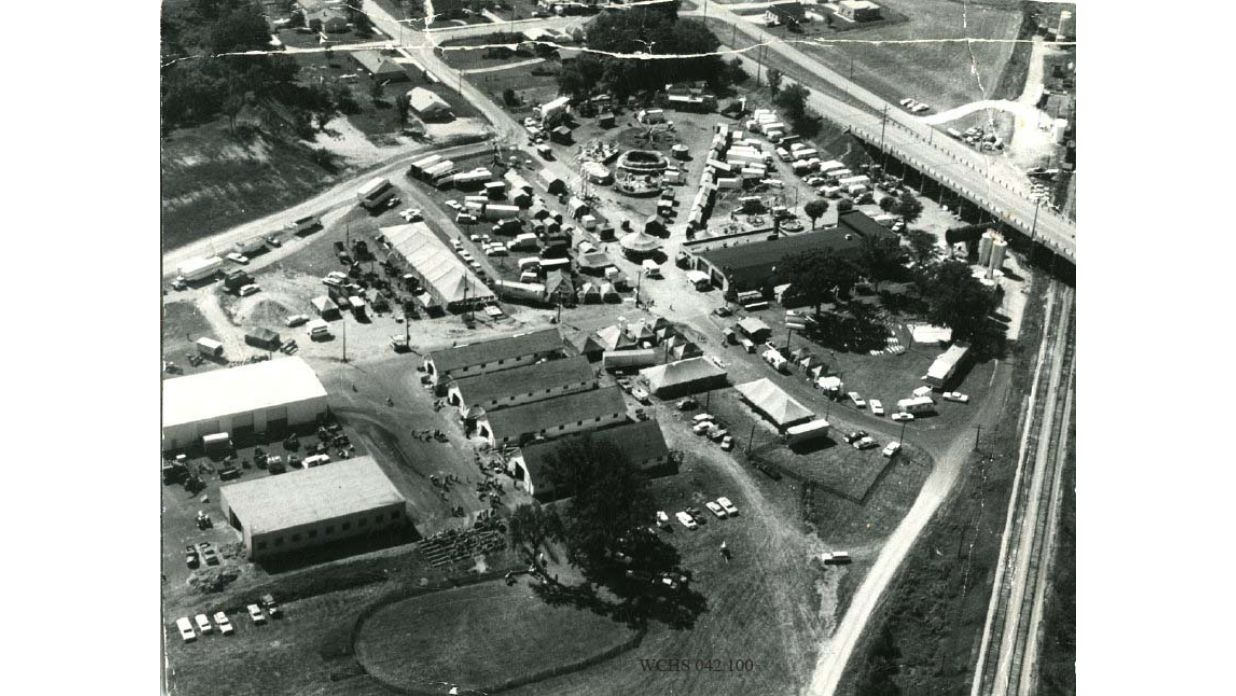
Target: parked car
{"x":640,"y":394}
{"x":902,"y":416}
{"x":255,"y":613}
{"x":250,"y":289}
{"x":191,"y":558}
{"x":237,"y":257}
{"x":722,"y":311}
{"x":877,"y":408}
{"x":858,"y":400}
{"x":297,"y":320}
{"x":956,"y":396}
{"x":225,"y":624}
{"x":865,"y":443}
{"x":454,"y":205}
{"x":186,"y":629}
{"x":891,"y":449}
{"x":662,"y":519}
{"x":411,"y":214}
{"x":274,"y":240}
{"x":835,"y":558}
{"x":855,"y":436}
{"x":726,"y":505}
{"x":686,"y":520}
{"x":203,"y":623}
{"x":687,"y":404}
{"x":272,"y":609}
{"x":718,"y":434}
{"x":702,"y":427}
{"x":716,"y":510}
{"x":727,"y":443}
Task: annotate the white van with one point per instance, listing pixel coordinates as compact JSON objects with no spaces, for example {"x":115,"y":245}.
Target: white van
{"x":318,"y":329}
{"x":651,"y":269}
{"x":315,"y":460}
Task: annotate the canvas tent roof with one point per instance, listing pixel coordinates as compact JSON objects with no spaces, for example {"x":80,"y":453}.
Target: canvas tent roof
{"x":772,"y":400}
{"x":640,"y":242}
{"x":443,"y":271}
{"x":681,"y":374}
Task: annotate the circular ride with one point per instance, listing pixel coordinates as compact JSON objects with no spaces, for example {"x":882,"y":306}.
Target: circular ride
{"x":643,"y":162}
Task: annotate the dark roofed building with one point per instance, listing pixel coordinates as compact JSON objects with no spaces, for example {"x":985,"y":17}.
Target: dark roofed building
{"x":563,"y":415}
{"x":380,"y":67}
{"x":522,"y":385}
{"x":641,"y":443}
{"x":491,"y":356}
{"x":754,"y":266}
{"x":785,"y":13}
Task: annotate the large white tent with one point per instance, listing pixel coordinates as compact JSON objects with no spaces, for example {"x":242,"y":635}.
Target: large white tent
{"x":443,"y":273}
{"x":771,"y":400}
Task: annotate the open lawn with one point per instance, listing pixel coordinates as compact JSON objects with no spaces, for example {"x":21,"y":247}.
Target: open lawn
{"x":480,"y":636}
{"x":182,"y":324}
{"x":942,"y":74}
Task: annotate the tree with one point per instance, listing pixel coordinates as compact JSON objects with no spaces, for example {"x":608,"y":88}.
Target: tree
{"x":845,"y":205}
{"x":509,"y":98}
{"x":534,"y":525}
{"x":403,"y":104}
{"x":736,"y":75}
{"x":792,"y":99}
{"x":958,"y":300}
{"x":774,"y":81}
{"x":887,"y":203}
{"x":908,"y":207}
{"x":377,"y":90}
{"x":608,"y":498}
{"x":815,"y":210}
{"x":922,"y":245}
{"x":881,"y":259}
{"x":817,"y":275}
{"x":580,"y":76}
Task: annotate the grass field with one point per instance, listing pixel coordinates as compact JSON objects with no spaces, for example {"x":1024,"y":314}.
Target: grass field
{"x":930,"y":620}
{"x":1058,"y":653}
{"x":480,"y":636}
{"x":942,"y":74}
{"x":182,"y":324}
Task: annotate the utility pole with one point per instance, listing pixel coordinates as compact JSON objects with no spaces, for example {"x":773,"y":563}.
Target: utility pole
{"x":902,"y":437}
{"x":883,"y":152}
{"x":978,"y":432}
{"x":344,"y":320}
{"x":751,"y":438}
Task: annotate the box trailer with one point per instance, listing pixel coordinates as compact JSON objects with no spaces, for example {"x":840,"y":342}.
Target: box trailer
{"x":305,"y":224}
{"x":417,"y":169}
{"x":628,"y":359}
{"x":200,"y":268}
{"x":209,"y":347}
{"x":916,"y":405}
{"x":805,"y":432}
{"x":250,"y":246}
{"x":945,"y":366}
{"x":376,"y":194}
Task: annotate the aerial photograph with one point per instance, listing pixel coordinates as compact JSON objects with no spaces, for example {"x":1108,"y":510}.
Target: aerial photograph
{"x":605,"y":348}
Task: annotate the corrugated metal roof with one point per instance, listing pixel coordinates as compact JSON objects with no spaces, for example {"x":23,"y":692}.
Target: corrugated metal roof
{"x":306,"y":496}
{"x":235,"y":390}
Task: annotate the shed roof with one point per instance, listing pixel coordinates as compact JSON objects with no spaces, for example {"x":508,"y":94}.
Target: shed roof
{"x":496,"y":386}
{"x":640,"y":441}
{"x":422,"y":100}
{"x":544,"y":415}
{"x":235,"y":390}
{"x":305,"y":496}
{"x":505,"y":348}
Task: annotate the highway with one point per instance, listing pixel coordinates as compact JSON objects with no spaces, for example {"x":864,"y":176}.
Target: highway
{"x":911,"y":140}
{"x":1011,"y":634}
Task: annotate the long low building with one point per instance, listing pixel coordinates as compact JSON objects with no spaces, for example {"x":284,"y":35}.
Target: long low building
{"x":564,"y":415}
{"x":260,"y":397}
{"x":754,"y":266}
{"x":312,"y":507}
{"x":483,"y":357}
{"x":521,"y":385}
{"x":641,"y":443}
{"x":438,"y":267}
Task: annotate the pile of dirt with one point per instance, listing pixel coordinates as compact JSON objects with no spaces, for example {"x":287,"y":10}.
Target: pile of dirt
{"x":214,"y":580}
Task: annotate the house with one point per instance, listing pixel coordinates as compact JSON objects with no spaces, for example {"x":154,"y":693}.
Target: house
{"x":379,"y":67}
{"x":428,"y":106}
{"x":789,"y":14}
{"x":521,"y":385}
{"x":858,"y":10}
{"x":642,"y":444}
{"x":563,"y":415}
{"x":490,"y":356}
{"x":323,"y":16}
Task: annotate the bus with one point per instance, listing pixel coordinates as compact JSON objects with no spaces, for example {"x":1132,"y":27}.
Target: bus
{"x":376,"y":194}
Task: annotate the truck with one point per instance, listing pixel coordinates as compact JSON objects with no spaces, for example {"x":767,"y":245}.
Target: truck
{"x":235,"y":279}
{"x":376,"y":194}
{"x":250,"y":246}
{"x":916,"y":405}
{"x":209,"y":347}
{"x":303,"y":225}
{"x":200,"y":268}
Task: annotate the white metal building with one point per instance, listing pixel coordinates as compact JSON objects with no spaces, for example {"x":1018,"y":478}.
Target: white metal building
{"x":311,"y":507}
{"x":259,"y":397}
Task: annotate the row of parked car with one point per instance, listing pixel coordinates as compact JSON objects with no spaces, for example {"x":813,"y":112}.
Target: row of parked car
{"x":692,"y":517}
{"x":257,"y":614}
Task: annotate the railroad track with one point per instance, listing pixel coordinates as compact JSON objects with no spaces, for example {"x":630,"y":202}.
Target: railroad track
{"x":1009,"y":643}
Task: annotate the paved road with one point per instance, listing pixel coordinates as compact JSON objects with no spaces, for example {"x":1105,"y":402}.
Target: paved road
{"x":836,"y":652}
{"x":976,"y":175}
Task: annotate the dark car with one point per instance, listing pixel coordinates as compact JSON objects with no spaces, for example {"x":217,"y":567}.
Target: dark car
{"x":229,"y":473}
{"x":191,"y":558}
{"x":855,"y":436}
{"x":272,"y":609}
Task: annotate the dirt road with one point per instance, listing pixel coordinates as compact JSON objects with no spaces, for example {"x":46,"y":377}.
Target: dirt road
{"x":836,"y":652}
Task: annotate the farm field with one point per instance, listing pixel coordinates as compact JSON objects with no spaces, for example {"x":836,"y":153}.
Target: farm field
{"x":941,"y":74}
